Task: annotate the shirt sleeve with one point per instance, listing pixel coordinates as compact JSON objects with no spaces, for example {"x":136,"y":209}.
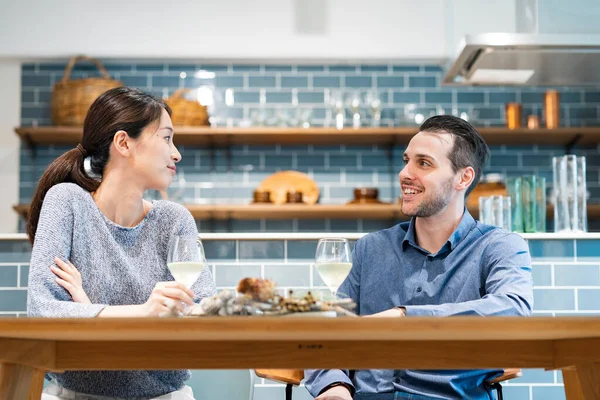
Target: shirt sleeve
{"x":508,"y":284}
{"x":205,"y":284}
{"x":316,"y":380}
{"x":53,"y":238}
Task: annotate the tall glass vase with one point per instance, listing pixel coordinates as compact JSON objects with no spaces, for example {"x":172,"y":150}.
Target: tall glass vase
{"x":581,"y":195}
{"x":569,"y":195}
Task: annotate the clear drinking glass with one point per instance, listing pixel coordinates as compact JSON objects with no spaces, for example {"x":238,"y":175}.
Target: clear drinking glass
{"x":559,"y":197}
{"x":485,"y":210}
{"x":581,"y":195}
{"x":186,"y":259}
{"x":374,"y":103}
{"x":566,"y":192}
{"x":354,"y":104}
{"x":336,"y":102}
{"x":496,"y":211}
{"x":502,"y":212}
{"x":513,"y":190}
{"x":572,"y":189}
{"x":540,"y":204}
{"x":333,"y":261}
{"x":528,"y":199}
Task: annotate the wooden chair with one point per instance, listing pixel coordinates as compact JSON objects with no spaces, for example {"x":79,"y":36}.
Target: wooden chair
{"x":293,"y":377}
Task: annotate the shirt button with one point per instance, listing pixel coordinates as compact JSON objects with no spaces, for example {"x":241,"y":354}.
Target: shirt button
{"x":419,"y":289}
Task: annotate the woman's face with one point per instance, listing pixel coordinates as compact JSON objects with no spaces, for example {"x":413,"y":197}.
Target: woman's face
{"x":155,"y":154}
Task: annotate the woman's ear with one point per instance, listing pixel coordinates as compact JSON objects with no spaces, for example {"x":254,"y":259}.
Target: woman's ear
{"x":122,"y":143}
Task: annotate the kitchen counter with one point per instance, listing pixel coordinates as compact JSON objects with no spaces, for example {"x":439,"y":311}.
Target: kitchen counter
{"x":317,"y":235}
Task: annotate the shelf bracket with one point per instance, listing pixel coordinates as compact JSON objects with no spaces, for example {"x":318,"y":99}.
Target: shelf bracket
{"x":569,"y":146}
{"x":229,"y":222}
{"x":30,"y":145}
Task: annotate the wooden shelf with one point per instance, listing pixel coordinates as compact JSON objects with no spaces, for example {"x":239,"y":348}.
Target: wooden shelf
{"x":322,"y":136}
{"x":303,"y":211}
{"x":297,"y":211}
{"x":286,"y":211}
{"x":22,"y":209}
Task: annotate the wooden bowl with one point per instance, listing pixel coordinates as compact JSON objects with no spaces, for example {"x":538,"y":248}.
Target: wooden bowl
{"x":280,"y":183}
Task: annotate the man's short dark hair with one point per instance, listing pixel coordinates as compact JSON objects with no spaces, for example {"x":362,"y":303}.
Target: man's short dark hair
{"x":469,"y":149}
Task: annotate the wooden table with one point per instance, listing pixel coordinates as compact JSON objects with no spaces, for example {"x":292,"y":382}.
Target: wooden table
{"x":30,"y":346}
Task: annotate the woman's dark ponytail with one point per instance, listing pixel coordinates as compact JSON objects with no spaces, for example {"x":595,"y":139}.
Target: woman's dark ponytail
{"x":66,"y":168}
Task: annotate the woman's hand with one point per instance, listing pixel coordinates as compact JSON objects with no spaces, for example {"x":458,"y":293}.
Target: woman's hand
{"x":69,"y":278}
{"x":167,"y":299}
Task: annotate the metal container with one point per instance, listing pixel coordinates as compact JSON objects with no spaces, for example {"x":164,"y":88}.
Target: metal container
{"x":552,"y":109}
{"x":513,"y":115}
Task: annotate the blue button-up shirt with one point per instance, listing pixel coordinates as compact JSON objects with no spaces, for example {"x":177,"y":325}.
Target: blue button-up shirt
{"x":480,"y":270}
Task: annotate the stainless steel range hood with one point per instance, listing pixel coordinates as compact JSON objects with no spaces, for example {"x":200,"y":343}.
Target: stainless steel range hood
{"x":526,"y":59}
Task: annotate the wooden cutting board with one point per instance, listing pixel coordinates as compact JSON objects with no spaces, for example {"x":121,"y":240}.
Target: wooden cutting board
{"x":281,"y":182}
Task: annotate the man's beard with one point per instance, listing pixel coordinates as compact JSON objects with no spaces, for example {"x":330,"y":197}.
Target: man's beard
{"x":432,"y":206}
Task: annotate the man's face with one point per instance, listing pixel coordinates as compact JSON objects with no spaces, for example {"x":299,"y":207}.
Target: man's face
{"x":427,"y":181}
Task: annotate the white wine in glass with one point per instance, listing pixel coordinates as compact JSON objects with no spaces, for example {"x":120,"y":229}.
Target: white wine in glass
{"x":186,"y":259}
{"x":333,"y":262}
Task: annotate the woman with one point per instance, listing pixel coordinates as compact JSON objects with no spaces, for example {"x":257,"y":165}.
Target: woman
{"x":100,"y":249}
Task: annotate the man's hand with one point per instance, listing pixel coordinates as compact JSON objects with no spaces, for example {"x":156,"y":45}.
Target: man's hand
{"x":335,"y":393}
{"x":391,"y":313}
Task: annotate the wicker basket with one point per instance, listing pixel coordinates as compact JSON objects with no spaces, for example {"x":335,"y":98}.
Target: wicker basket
{"x":71,"y":99}
{"x":186,"y":112}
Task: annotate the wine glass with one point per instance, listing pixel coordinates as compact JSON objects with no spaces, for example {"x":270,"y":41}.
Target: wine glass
{"x":374,"y":102}
{"x":354,"y":104}
{"x":186,"y":259}
{"x":333,"y":262}
{"x":336,"y":102}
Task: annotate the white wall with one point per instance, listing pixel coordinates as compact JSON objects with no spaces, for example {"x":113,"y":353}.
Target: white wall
{"x":243,"y":29}
{"x":574,"y":16}
{"x":10,"y":114}
{"x":470,"y":17}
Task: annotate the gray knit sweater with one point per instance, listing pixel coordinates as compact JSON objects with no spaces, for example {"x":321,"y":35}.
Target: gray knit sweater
{"x":118,"y":266}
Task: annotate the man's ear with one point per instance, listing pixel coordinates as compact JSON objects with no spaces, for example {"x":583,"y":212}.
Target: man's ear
{"x":122,"y":143}
{"x":465,"y":178}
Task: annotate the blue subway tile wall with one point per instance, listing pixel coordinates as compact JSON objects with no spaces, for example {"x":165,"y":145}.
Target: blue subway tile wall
{"x":292,"y":94}
{"x":568,"y":286}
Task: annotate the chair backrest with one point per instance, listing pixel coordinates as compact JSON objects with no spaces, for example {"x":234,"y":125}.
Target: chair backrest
{"x":509,"y":373}
{"x":291,"y":376}
{"x":295,"y":376}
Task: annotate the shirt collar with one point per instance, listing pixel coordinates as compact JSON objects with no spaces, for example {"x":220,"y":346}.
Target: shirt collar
{"x":462,"y":230}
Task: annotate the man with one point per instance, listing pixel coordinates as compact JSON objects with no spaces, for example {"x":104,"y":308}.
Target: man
{"x":441,"y":263}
